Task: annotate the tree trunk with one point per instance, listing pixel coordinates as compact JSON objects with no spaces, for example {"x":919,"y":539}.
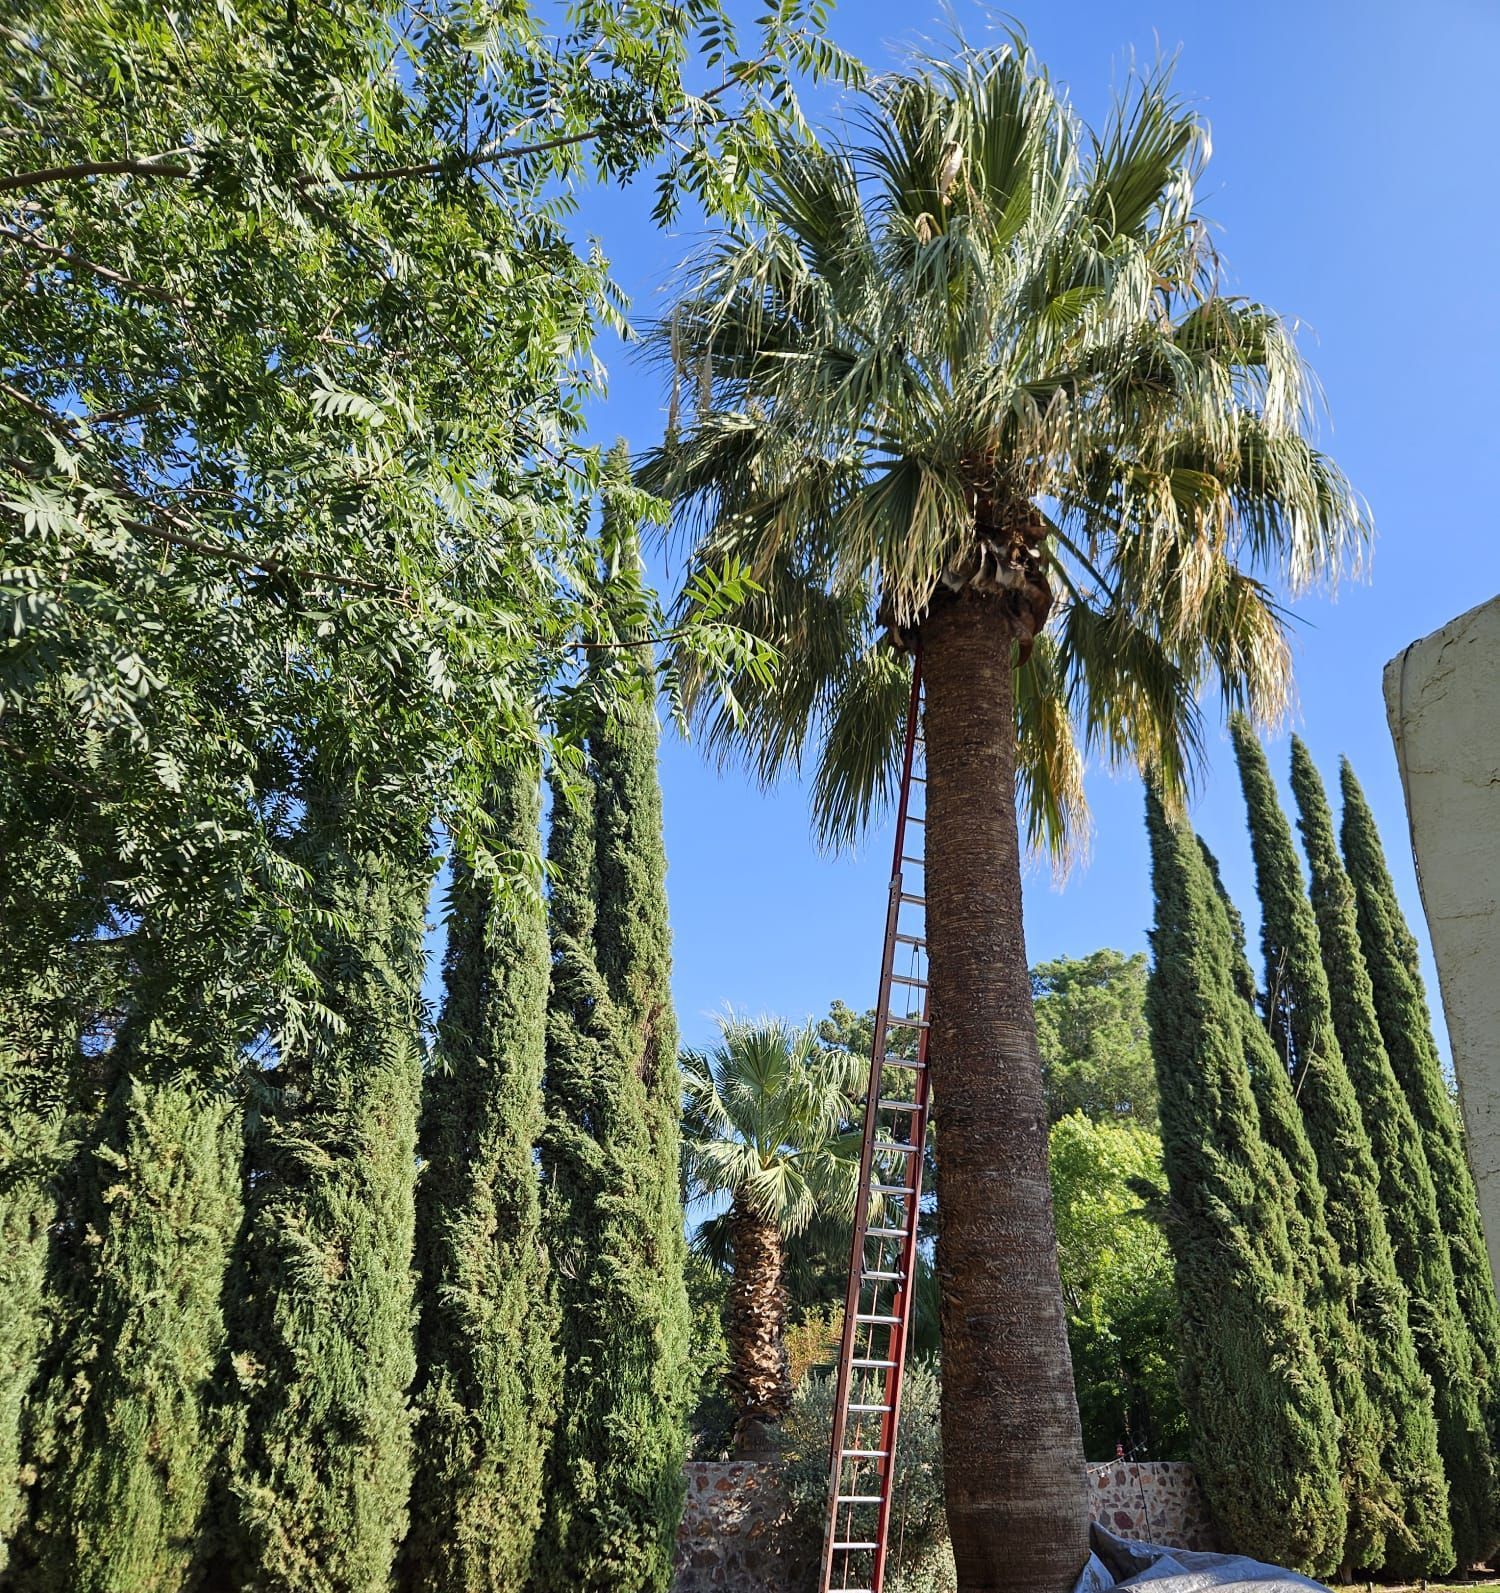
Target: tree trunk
{"x":759,"y":1379}
{"x":1012,"y":1443}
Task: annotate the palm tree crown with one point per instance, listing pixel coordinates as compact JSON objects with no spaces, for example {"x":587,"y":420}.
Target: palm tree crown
{"x":766,"y":1118}
{"x":986,"y":349}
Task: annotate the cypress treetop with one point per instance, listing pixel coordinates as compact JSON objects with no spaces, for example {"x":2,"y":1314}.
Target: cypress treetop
{"x":1390,"y":956}
{"x":1443,"y":1339}
{"x":1300,"y":1019}
{"x":1264,"y":1431}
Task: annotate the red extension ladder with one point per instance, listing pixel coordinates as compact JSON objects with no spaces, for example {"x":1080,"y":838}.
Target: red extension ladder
{"x":883,"y":1268}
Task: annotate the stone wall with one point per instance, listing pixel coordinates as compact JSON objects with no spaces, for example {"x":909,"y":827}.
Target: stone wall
{"x":733,"y":1533}
{"x":1155,"y":1501}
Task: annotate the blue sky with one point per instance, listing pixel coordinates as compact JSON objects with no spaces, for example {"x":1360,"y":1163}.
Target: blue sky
{"x":1350,"y":190}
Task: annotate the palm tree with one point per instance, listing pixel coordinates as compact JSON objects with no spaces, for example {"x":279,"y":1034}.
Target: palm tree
{"x":970,"y":387}
{"x":766,"y":1122}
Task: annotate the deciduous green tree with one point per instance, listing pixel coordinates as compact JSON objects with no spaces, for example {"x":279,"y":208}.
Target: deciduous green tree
{"x":1091,"y":1029}
{"x":1444,"y":1343}
{"x":1418,"y":1540}
{"x":487,"y":1373}
{"x":1264,"y":1434}
{"x":933,"y":335}
{"x":1117,"y":1279}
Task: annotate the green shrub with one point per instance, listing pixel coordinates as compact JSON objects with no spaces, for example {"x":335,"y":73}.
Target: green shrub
{"x":921,"y":1559}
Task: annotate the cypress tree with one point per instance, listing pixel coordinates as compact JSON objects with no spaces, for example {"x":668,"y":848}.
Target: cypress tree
{"x":485,"y":1347}
{"x":1443,"y":1340}
{"x":1374,"y":1502}
{"x":32,"y":1127}
{"x":613,"y":1203}
{"x":324,"y":1351}
{"x":1390,"y":956}
{"x":1300,"y":1021}
{"x":1264,"y":1432}
{"x":127,"y":1499}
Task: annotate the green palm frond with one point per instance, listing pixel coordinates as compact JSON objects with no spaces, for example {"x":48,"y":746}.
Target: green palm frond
{"x":975,"y":302}
{"x":766,"y":1117}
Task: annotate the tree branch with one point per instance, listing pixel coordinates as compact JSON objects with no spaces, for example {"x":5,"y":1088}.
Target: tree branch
{"x":151,"y":166}
{"x":75,"y":261}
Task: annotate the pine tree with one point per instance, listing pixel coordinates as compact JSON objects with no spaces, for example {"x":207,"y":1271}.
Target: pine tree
{"x":1301,"y":1027}
{"x":1390,"y":955}
{"x":487,"y":1390}
{"x":613,"y":1207}
{"x":1443,"y":1340}
{"x":127,"y":1498}
{"x":323,"y":1353}
{"x":1374,"y":1502}
{"x":1264,"y":1432}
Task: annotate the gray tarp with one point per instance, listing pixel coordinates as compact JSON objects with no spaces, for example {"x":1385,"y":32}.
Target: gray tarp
{"x":1117,"y":1563}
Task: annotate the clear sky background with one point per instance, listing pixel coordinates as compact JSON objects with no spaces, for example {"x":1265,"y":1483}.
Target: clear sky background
{"x":1353,"y":186}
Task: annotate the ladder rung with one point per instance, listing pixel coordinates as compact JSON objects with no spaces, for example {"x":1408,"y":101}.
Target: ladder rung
{"x":898,"y":1106}
{"x":858,"y":1498}
{"x":917,"y":862}
{"x":866,"y":1454}
{"x":905,"y":1023}
{"x":881,"y":1277}
{"x":858,"y":1361}
{"x":908,"y":979}
{"x":896,"y":1147}
{"x":911,"y":940}
{"x":914,"y":901}
{"x":870,"y":1408}
{"x":892,"y":1189}
{"x":853,"y":1546}
{"x":918,"y":779}
{"x":903,"y":1062}
{"x":916,"y":818}
{"x":886,"y":1233}
{"x":878,"y":1321}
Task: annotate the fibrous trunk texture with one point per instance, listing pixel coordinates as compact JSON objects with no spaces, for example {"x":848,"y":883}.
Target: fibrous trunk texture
{"x":487,"y":1385}
{"x":1012,"y":1442}
{"x":759,"y":1376}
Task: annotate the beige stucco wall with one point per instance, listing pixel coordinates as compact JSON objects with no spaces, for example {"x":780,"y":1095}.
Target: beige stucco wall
{"x":1442,"y":698}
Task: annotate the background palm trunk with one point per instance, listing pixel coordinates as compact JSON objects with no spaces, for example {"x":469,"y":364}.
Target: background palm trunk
{"x":1012,"y":1443}
{"x":759,"y":1377}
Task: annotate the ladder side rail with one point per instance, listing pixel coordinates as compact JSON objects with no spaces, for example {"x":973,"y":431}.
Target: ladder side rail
{"x":904,"y":1306}
{"x":867,"y":1153}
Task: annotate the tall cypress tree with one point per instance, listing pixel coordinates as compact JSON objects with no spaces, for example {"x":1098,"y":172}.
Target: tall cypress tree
{"x":1301,"y":1027}
{"x":323,"y":1353}
{"x":1264,"y":1432}
{"x":487,"y":1390}
{"x":613,"y":1207}
{"x":33,"y":1123}
{"x":1390,"y":955}
{"x":1443,"y":1340}
{"x":1375,"y":1505}
{"x":126,"y":1503}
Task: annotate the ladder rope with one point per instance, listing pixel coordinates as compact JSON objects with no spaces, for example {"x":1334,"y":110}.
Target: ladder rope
{"x":881,"y":1295}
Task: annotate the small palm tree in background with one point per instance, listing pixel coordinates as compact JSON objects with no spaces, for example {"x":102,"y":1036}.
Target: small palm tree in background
{"x":766,"y":1123}
{"x":970,"y":386}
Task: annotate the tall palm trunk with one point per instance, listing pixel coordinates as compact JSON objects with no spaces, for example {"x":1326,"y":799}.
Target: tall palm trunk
{"x":759,"y":1376}
{"x":1012,"y":1443}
